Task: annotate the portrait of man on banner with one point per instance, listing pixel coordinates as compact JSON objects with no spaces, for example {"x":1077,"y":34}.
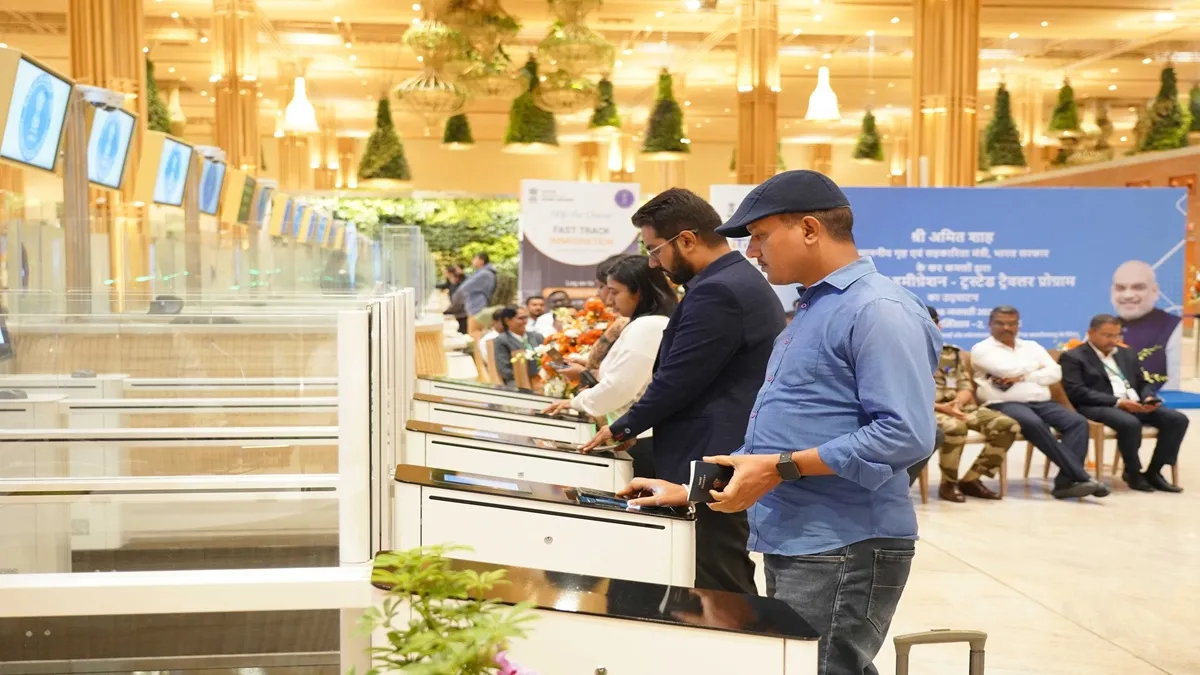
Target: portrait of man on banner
{"x":1152,"y":333}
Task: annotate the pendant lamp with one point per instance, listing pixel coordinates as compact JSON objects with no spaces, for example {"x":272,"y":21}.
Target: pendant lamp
{"x":822,"y":102}
{"x":300,"y":117}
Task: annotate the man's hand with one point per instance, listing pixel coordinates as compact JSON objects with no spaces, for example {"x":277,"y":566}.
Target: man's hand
{"x":572,"y":371}
{"x":556,"y":408}
{"x":654,"y":492}
{"x":951,"y":409}
{"x":753,"y":477}
{"x":602,"y":437}
{"x":1133,"y":407}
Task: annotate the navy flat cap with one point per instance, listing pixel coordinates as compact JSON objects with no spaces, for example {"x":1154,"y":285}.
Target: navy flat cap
{"x":800,"y":191}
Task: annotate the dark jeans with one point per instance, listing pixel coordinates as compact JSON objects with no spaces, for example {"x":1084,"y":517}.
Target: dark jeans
{"x":642,"y":453}
{"x":848,"y":595}
{"x":722,"y":562}
{"x":1171,"y":424}
{"x":1036,"y":419}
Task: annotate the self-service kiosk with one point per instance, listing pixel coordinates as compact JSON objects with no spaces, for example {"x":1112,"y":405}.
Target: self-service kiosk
{"x":552,"y":527}
{"x":468,"y":390}
{"x":571,"y":428}
{"x":510,"y":456}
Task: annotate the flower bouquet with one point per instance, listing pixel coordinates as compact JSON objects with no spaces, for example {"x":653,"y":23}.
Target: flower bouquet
{"x":578,"y":331}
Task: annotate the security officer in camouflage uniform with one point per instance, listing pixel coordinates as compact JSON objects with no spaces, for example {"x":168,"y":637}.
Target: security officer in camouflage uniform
{"x":957,"y":412}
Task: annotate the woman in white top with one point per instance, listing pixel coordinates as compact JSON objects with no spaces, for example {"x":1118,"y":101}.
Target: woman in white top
{"x":642,"y":294}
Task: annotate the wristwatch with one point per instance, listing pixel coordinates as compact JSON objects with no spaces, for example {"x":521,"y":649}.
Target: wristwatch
{"x":787,"y":469}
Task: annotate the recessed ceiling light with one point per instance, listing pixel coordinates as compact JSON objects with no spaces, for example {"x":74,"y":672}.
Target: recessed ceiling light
{"x":416,"y":6}
{"x":171,"y":69}
{"x":827,"y":56}
{"x":796,"y":31}
{"x":895,"y":19}
{"x":337,"y":19}
{"x":203,"y":93}
{"x":627,"y":51}
{"x":1014,"y":35}
{"x":145,"y":50}
{"x":203,"y":39}
{"x":691,"y":5}
{"x":1114,"y":70}
{"x":1112,"y":87}
{"x":420,"y":59}
{"x":817,"y":18}
{"x":260,"y":94}
{"x":1147,"y":60}
{"x":659,"y":14}
{"x":349,"y":45}
{"x":618,"y":63}
{"x":808,"y":66}
{"x":1164,"y":17}
{"x":891,"y":85}
{"x":212,"y":99}
{"x":649,"y":28}
{"x":174,"y":15}
{"x":687,"y":104}
{"x":870,"y":33}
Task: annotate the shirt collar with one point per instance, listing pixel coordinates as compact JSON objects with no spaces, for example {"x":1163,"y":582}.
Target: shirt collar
{"x":848,"y":274}
{"x":1100,"y":353}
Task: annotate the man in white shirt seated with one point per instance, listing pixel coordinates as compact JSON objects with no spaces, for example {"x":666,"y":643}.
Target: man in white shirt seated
{"x":1014,"y":377}
{"x":1106,"y":385}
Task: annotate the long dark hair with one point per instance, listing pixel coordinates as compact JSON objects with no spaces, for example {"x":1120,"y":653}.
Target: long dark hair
{"x":504,"y":315}
{"x":606,"y":266}
{"x":656,"y":296}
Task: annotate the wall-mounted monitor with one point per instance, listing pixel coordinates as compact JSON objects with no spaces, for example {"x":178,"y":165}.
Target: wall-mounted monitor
{"x":322,"y":227}
{"x":108,"y":147}
{"x":34,"y":100}
{"x":262,"y":203}
{"x":174,"y":164}
{"x":281,"y":215}
{"x":300,"y":219}
{"x":246,"y":207}
{"x":212,"y":179}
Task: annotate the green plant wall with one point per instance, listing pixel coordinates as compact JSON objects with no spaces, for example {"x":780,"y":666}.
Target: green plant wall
{"x":159,"y":117}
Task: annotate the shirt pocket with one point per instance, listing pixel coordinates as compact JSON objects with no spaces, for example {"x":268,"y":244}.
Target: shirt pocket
{"x":799,"y":367}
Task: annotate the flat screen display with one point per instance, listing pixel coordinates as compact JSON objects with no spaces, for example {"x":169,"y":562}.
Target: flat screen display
{"x":322,"y":229}
{"x":285,"y":222}
{"x":173,"y":166}
{"x":212,"y":177}
{"x":244,"y":209}
{"x":108,"y":147}
{"x":297,"y":219}
{"x":35,"y":117}
{"x":264,"y":204}
{"x":480,"y":482}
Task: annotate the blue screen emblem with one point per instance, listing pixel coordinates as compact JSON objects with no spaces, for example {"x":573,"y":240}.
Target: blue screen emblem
{"x":174,"y":168}
{"x":624,"y":198}
{"x":110,"y":144}
{"x":210,"y":187}
{"x":35,"y":118}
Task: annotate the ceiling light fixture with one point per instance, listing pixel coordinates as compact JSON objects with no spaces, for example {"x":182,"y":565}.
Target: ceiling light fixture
{"x":301,"y":117}
{"x":174,"y":15}
{"x":1164,"y":17}
{"x":1045,"y":23}
{"x":1147,"y":60}
{"x":817,"y":18}
{"x":145,"y":50}
{"x":203,"y":39}
{"x":1014,"y":35}
{"x":416,"y":6}
{"x":895,"y":19}
{"x":337,"y":19}
{"x":796,"y":31}
{"x":349,"y":45}
{"x":659,"y":15}
{"x":1112,"y":87}
{"x":692,"y":5}
{"x":870,"y":33}
{"x":822,"y":102}
{"x":354,"y":57}
{"x":1114,"y":70}
{"x":1124,"y":138}
{"x":171,"y":69}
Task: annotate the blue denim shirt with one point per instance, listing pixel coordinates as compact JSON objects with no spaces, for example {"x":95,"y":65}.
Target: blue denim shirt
{"x":852,"y":376}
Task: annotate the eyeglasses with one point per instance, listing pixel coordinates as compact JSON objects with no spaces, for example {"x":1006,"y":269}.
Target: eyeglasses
{"x":653,"y":253}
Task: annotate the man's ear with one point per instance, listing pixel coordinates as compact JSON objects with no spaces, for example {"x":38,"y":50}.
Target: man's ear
{"x":811,"y":227}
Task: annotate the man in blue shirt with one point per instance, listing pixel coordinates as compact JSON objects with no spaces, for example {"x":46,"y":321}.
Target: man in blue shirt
{"x":846,"y":408}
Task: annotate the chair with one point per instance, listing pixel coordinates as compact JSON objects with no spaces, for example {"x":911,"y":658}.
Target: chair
{"x":1105,"y":434}
{"x":493,"y":372}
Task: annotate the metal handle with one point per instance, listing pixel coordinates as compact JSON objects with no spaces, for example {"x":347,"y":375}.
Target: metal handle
{"x":975,"y":638}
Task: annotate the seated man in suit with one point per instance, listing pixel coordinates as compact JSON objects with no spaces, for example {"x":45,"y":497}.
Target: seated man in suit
{"x":1106,"y":384}
{"x":1014,"y":376}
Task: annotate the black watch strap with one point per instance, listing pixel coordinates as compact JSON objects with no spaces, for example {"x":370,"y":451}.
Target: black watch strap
{"x":787,"y":468}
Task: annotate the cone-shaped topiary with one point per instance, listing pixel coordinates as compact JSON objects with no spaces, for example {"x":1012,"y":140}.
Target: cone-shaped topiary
{"x":1169,"y":122}
{"x":1194,"y":106}
{"x":1003,"y":139}
{"x":159,"y":119}
{"x":528,"y":123}
{"x":458,"y":131}
{"x":982,"y":164}
{"x":1106,"y":129}
{"x":605,"y":114}
{"x":869,"y":146}
{"x":1066,"y":114}
{"x":384,"y":155}
{"x":665,"y":132}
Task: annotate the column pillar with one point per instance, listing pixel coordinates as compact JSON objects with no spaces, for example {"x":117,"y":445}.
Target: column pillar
{"x":235,"y":63}
{"x":106,"y":51}
{"x":325,"y":161}
{"x":758,"y":89}
{"x":822,"y":158}
{"x":945,"y":86}
{"x":347,"y":149}
{"x":295,"y":160}
{"x":1031,"y":116}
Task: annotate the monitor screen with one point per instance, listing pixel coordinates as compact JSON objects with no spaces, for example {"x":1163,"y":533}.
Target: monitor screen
{"x":313,"y":223}
{"x":212,"y":177}
{"x":6,"y":346}
{"x":173,"y":166}
{"x":264,"y":204}
{"x":322,"y":229}
{"x":108,"y":147}
{"x":36,"y":115}
{"x":297,"y":218}
{"x":285,"y":222}
{"x":474,"y":481}
{"x":244,"y":209}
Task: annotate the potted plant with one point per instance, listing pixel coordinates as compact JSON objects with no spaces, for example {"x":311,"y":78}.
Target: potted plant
{"x":1168,"y":121}
{"x":436,"y":619}
{"x":383,"y":161}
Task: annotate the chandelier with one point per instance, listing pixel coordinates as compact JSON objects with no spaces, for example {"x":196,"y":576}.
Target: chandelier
{"x":562,"y":93}
{"x":576,"y":49}
{"x":492,"y":78}
{"x":573,"y":11}
{"x":822,"y":102}
{"x":433,"y":42}
{"x":483,"y":23}
{"x":429,"y":94}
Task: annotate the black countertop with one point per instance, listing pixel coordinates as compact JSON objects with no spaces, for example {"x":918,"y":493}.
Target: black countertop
{"x":640,"y":601}
{"x":515,"y":488}
{"x":567,"y":416}
{"x":514,"y":440}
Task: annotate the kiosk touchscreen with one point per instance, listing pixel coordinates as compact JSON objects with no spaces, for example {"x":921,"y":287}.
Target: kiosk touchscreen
{"x":234,"y":201}
{"x":322,"y":227}
{"x":281,"y":215}
{"x":246,"y":205}
{"x":263,"y":203}
{"x":301,"y":217}
{"x":34,"y":111}
{"x":163,"y":170}
{"x":212,"y":179}
{"x":308,"y":227}
{"x":108,"y":147}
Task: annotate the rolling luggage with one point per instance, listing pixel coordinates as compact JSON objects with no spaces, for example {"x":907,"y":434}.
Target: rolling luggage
{"x":975,"y":638}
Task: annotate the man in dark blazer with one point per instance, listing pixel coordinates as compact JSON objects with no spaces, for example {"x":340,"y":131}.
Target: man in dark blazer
{"x":710,"y":366}
{"x":1106,"y":385}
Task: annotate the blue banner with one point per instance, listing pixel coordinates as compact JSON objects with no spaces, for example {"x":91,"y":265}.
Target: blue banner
{"x":1060,"y":256}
